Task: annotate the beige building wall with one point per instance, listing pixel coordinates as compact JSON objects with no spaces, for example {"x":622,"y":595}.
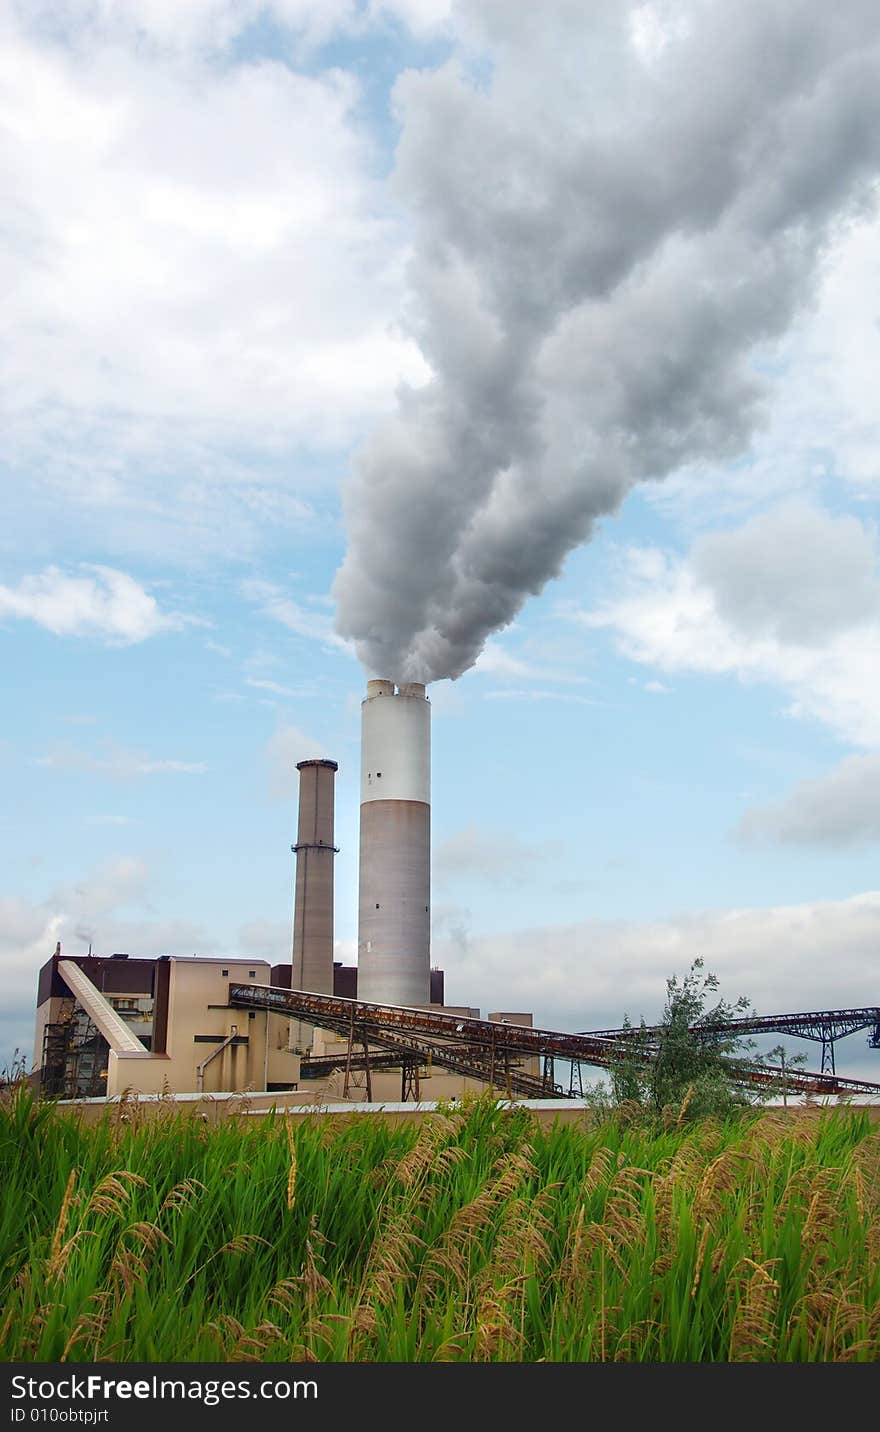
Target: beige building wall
{"x":198,"y":1022}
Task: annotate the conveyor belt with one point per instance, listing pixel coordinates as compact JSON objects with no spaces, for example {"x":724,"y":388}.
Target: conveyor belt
{"x":488,"y":1050}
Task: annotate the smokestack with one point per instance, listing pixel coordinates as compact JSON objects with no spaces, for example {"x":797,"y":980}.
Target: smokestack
{"x":313,"y":901}
{"x":394,"y":924}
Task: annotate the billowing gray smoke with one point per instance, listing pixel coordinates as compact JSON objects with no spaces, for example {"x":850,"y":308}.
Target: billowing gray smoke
{"x":608,"y":220}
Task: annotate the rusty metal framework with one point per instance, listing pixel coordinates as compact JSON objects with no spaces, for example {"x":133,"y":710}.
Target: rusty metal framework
{"x":409,"y":1081}
{"x":490,"y":1052}
{"x":74,"y":1063}
{"x":822,"y":1026}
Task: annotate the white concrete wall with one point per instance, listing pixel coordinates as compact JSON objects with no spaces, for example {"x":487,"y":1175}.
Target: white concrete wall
{"x":396,"y":747}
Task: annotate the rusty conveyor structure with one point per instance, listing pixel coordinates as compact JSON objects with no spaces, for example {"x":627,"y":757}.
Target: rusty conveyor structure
{"x":822,"y":1026}
{"x":489,"y":1051}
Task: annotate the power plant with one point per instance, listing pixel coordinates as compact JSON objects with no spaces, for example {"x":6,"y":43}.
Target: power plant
{"x":312,"y":1027}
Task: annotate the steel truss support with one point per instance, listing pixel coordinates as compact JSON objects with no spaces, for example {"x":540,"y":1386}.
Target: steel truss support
{"x":346,"y":1083}
{"x":475,"y":1048}
{"x":409,"y":1081}
{"x":368,"y":1072}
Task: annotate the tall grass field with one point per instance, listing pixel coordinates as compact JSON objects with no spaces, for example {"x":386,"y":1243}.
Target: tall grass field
{"x":474,"y":1236}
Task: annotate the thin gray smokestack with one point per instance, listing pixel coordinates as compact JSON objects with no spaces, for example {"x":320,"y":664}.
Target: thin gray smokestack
{"x":313,"y":901}
{"x":604,"y":231}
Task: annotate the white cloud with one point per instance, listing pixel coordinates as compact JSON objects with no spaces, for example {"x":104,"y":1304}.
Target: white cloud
{"x":495,"y":856}
{"x":119,"y":763}
{"x":306,"y":622}
{"x":267,"y":940}
{"x":119,"y":882}
{"x":496,"y":660}
{"x":789,"y":599}
{"x":530,"y":693}
{"x":107,"y":604}
{"x":653,"y":25}
{"x":840,"y":809}
{"x":213,"y":25}
{"x":274,"y":687}
{"x":422,"y":17}
{"x":197,"y":262}
{"x":795,"y":574}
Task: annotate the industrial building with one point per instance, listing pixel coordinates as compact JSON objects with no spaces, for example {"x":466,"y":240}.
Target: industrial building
{"x":106,"y":1025}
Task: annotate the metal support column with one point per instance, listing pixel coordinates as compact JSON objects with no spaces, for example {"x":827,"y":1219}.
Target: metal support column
{"x":409,"y":1081}
{"x":368,"y":1072}
{"x":346,"y":1083}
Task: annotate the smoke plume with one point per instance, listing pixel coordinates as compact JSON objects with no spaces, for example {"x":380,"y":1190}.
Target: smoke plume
{"x":613,"y":206}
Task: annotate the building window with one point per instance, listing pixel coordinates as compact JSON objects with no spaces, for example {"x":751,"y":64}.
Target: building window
{"x":252,"y":974}
{"x":224,"y":972}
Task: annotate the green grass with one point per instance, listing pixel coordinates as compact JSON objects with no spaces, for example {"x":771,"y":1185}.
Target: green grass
{"x":475,"y":1236}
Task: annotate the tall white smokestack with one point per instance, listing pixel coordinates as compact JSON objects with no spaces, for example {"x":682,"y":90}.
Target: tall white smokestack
{"x":394,"y":927}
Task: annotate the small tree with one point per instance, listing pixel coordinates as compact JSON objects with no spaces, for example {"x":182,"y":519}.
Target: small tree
{"x":630,"y":1075}
{"x":677,"y":1065}
{"x":781,"y":1062}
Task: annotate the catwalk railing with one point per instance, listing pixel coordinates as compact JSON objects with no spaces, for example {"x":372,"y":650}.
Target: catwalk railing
{"x":489,"y":1051}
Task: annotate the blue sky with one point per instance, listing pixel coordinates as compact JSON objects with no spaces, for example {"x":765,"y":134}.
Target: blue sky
{"x":220,"y":265}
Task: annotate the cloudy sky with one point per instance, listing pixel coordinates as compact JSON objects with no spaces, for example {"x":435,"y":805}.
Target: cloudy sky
{"x":527,"y":350}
